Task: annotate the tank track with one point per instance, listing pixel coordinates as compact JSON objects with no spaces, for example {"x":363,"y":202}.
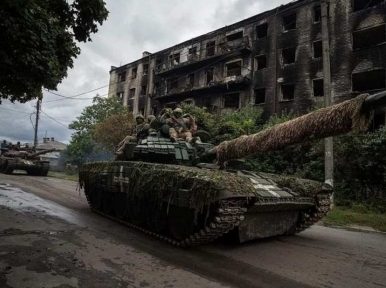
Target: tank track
{"x":313,"y":216}
{"x":229,"y":215}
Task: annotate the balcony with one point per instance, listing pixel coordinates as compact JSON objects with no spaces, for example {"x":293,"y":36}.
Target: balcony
{"x":233,"y":48}
{"x":225,"y":84}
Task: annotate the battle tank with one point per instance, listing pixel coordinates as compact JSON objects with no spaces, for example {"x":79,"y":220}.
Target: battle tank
{"x":192,"y":193}
{"x":26,"y":160}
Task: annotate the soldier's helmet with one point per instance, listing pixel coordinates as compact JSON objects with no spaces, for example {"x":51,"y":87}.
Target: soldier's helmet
{"x":150,"y":118}
{"x":177,"y":110}
{"x":140,"y":116}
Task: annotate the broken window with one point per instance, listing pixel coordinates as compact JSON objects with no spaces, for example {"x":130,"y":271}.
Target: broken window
{"x":287,"y":92}
{"x":318,"y":49}
{"x":157,"y":86}
{"x":120,"y":97}
{"x":289,"y":22}
{"x":289,"y":55}
{"x":233,"y":69}
{"x":143,"y":90}
{"x":174,"y":59}
{"x":191,"y":80}
{"x":231,"y":100}
{"x":235,"y":36}
{"x":210,"y":48}
{"x":262,"y":31}
{"x":364,"y":4}
{"x":369,"y":80}
{"x":209,"y":75}
{"x":158,"y":64}
{"x":261,"y":62}
{"x":173,"y":83}
{"x":369,"y":37}
{"x":318,"y":87}
{"x":317,"y":14}
{"x":122,"y":77}
{"x":134,"y":73}
{"x":260,"y":96}
{"x":145,"y":69}
{"x":132,"y":93}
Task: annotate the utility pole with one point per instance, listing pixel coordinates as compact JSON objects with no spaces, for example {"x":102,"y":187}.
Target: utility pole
{"x":329,"y":147}
{"x":38,"y":103}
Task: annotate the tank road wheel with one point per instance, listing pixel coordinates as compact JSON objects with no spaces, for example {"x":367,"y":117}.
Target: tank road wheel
{"x":156,"y":219}
{"x":107,"y":203}
{"x":136,"y":211}
{"x":96,"y":197}
{"x":120,"y":205}
{"x":8,"y":168}
{"x":181,"y":222}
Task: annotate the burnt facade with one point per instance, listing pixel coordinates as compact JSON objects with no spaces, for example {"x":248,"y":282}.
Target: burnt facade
{"x":273,"y":59}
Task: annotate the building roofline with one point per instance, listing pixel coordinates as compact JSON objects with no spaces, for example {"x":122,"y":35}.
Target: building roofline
{"x":261,"y":16}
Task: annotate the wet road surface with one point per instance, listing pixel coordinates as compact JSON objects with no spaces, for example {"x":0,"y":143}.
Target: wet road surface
{"x":318,"y":257}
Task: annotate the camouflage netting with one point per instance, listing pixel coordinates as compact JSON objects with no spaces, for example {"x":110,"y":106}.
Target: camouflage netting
{"x":162,"y":181}
{"x":304,"y":187}
{"x":327,"y":122}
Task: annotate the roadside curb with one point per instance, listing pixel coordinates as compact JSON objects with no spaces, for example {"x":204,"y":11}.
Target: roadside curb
{"x":353,"y":228}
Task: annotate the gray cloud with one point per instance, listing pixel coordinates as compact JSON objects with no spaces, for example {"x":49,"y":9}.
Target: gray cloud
{"x":132,"y":27}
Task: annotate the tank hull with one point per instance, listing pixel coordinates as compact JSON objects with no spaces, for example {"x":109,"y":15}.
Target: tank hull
{"x":189,"y":206}
{"x":31,"y":167}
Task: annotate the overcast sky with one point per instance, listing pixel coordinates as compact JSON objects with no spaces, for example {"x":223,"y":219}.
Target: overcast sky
{"x":133,"y":26}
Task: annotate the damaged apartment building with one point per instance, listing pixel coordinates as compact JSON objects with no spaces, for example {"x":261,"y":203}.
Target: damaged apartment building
{"x":273,"y":59}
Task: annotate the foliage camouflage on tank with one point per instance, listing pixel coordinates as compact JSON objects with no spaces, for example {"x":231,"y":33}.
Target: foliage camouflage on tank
{"x":189,"y":193}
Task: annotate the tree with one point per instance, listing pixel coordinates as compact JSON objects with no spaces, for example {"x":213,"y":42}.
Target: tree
{"x":39,"y":39}
{"x":111,"y":131}
{"x":83,"y":146}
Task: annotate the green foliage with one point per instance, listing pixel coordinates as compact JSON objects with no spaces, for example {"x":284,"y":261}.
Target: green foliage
{"x":234,"y":123}
{"x":40,"y":42}
{"x":83,"y":146}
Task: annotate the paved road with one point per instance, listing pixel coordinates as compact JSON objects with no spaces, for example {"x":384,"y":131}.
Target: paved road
{"x":318,"y":257}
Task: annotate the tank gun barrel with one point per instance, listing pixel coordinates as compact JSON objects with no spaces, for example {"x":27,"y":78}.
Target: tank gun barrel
{"x":41,"y":153}
{"x":339,"y":119}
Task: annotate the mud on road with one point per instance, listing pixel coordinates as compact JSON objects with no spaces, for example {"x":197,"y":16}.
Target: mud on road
{"x":49,"y":238}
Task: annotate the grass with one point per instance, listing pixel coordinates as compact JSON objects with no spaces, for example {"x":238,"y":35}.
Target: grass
{"x":341,"y":216}
{"x":62,"y":175}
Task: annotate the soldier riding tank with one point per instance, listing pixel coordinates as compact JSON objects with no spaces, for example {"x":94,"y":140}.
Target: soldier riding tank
{"x":26,"y":160}
{"x":192,"y":193}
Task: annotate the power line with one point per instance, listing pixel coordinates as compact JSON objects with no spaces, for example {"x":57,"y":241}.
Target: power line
{"x":54,"y":119}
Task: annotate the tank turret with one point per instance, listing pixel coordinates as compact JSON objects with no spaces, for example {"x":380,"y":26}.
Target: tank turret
{"x":24,"y":159}
{"x":190,"y":192}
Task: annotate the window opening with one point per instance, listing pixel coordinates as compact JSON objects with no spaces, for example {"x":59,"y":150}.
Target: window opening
{"x":122,"y":77}
{"x":318,"y":87}
{"x":260,"y":96}
{"x":289,"y":22}
{"x":132,"y":93}
{"x":120,"y":97}
{"x":173,"y":83}
{"x":364,"y":4}
{"x":288,"y":92}
{"x":317,"y":14}
{"x":234,"y":69}
{"x":231,"y":100}
{"x":369,"y":37}
{"x":235,"y":36}
{"x":145,"y":69}
{"x":318,"y":49}
{"x":262,"y":31}
{"x":209,"y":75}
{"x":369,"y":80}
{"x":261,"y":62}
{"x":289,"y":55}
{"x":143,"y":90}
{"x":158,"y":64}
{"x":174,"y":59}
{"x":134,"y":73}
{"x":210,"y":48}
{"x":191,"y":80}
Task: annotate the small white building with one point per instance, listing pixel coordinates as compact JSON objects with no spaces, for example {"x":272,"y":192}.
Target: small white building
{"x":53,"y":157}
